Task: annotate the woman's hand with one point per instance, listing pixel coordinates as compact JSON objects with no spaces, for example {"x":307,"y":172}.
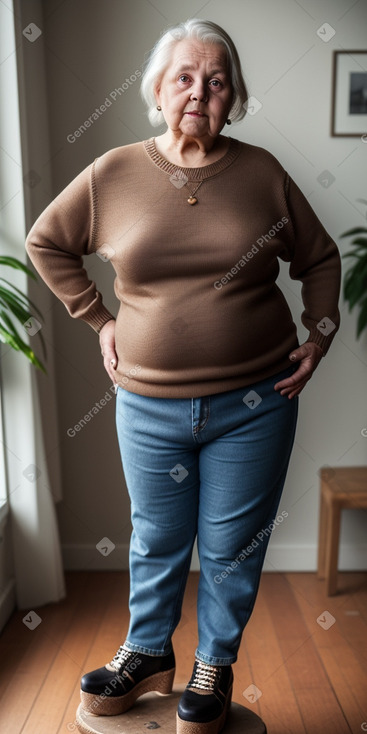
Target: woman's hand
{"x":107,"y":343}
{"x":308,"y":355}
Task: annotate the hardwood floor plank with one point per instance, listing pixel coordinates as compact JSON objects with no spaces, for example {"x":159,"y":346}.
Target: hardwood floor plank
{"x":59,"y":685}
{"x":350,"y":689}
{"x":269,"y":671}
{"x":317,"y":702}
{"x":321,"y":715}
{"x":342,"y":648}
{"x":45,"y":661}
{"x":103,"y":638}
{"x":25,"y":678}
{"x":16,"y":638}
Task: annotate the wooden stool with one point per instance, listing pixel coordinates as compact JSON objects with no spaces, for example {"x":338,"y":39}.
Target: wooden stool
{"x":152,"y":711}
{"x":341,"y":487}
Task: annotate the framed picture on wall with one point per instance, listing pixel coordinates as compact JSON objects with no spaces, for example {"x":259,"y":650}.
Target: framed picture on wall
{"x":349,"y":104}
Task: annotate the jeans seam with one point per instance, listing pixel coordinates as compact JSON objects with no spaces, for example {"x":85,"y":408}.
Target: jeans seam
{"x":196,"y":429}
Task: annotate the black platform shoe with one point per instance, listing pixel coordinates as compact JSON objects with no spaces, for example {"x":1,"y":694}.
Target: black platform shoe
{"x":205,"y":702}
{"x":113,"y":689}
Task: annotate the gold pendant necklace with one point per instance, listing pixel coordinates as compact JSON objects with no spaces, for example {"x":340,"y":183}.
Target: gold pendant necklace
{"x":192,"y":198}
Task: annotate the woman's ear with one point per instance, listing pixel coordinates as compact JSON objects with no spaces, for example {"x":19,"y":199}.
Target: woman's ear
{"x":157,"y":93}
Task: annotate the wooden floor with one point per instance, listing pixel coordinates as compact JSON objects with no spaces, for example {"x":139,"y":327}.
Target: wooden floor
{"x":312,"y":680}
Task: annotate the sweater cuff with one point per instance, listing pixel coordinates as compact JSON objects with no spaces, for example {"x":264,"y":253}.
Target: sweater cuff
{"x":98,"y":317}
{"x":323,"y":334}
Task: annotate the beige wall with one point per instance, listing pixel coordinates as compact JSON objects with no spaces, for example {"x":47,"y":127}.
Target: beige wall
{"x":91,"y":48}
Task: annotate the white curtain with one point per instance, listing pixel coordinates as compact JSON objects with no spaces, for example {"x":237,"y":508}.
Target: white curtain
{"x":36,"y":547}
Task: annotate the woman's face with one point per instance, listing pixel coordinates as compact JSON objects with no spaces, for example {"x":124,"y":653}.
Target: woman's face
{"x":195,"y":92}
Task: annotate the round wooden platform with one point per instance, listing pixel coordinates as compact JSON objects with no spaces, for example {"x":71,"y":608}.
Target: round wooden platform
{"x":153,"y":711}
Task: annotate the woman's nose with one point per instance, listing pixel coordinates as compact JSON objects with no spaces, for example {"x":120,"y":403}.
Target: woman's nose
{"x":199,"y":93}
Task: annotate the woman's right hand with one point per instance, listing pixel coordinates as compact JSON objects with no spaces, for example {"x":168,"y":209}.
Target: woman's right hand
{"x":107,"y":343}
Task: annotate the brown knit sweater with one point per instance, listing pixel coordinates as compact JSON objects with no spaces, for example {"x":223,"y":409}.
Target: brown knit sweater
{"x":200,"y":311}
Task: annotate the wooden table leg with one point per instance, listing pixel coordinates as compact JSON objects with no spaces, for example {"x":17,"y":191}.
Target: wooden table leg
{"x":321,"y":563}
{"x":332,"y":548}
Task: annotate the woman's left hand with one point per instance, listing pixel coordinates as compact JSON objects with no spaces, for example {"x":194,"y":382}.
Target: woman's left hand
{"x":308,"y":355}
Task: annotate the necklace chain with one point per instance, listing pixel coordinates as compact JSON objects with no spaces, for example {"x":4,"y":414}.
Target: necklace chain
{"x":192,"y":198}
{"x":192,"y":193}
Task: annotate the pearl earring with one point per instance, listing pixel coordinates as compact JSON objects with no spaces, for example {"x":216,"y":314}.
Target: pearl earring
{"x":159,"y":108}
{"x":229,"y":122}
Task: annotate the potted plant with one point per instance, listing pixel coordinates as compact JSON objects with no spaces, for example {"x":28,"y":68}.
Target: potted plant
{"x":355,"y":279}
{"x":16,"y":305}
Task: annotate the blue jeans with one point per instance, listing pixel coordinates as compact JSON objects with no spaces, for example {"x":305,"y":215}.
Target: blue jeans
{"x":212,"y":467}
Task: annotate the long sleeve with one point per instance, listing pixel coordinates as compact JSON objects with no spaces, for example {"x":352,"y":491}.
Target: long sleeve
{"x":316,"y":263}
{"x":56,"y":243}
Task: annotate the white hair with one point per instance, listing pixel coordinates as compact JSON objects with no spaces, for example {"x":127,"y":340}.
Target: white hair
{"x":160,"y":56}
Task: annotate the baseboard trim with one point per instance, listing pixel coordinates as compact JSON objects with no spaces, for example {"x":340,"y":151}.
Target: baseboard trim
{"x":7,"y":603}
{"x":283,"y":558}
{"x":288,"y":558}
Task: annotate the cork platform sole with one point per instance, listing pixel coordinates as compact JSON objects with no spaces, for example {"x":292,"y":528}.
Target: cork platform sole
{"x":104,"y":705}
{"x":207,"y":727}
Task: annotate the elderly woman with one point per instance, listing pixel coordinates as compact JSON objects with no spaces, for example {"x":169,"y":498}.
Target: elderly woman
{"x":204,"y":355}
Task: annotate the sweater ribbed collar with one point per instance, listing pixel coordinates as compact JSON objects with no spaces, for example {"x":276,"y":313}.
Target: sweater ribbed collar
{"x":194,"y":174}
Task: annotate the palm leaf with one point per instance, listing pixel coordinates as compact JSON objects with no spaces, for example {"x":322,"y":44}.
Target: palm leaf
{"x":7,"y":337}
{"x":26,"y":299}
{"x":15,"y":308}
{"x":358,"y":253}
{"x":356,"y":230}
{"x":362,"y":318}
{"x":11,"y":337}
{"x":12,"y":262}
{"x":355,"y":279}
{"x":360,"y":241}
{"x":14,"y":303}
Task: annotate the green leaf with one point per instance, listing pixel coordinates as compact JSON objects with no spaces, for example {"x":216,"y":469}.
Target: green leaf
{"x":26,"y":299}
{"x":10,"y":295}
{"x":356,"y":294}
{"x":13,"y":262}
{"x":356,"y":230}
{"x":8,"y":338}
{"x":348,"y":290}
{"x":356,"y":278}
{"x":12,"y":338}
{"x":17,"y":310}
{"x":361,"y":241}
{"x":8,"y":323}
{"x":362,"y":319}
{"x":29,"y":353}
{"x":16,"y":303}
{"x":356,"y":286}
{"x":358,"y":253}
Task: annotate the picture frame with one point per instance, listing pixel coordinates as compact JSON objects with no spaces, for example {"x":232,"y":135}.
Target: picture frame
{"x":349,"y":94}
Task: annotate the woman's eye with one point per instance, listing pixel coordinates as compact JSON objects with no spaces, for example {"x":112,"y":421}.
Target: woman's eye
{"x":214,"y":82}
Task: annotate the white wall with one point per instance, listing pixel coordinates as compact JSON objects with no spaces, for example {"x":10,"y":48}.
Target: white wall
{"x":92,"y":47}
